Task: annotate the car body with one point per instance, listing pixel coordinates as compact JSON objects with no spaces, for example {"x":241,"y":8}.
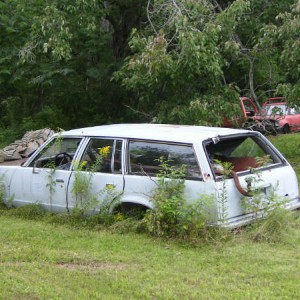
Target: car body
{"x":132,"y":164}
{"x":287,"y":118}
{"x":275,"y":116}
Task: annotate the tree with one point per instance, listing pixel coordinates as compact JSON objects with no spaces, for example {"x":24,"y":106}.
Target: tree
{"x":57,"y":58}
{"x":195,"y":57}
{"x":283,"y":40}
{"x":177,"y":71}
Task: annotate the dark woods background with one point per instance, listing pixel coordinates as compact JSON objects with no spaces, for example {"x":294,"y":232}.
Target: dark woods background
{"x":74,"y":63}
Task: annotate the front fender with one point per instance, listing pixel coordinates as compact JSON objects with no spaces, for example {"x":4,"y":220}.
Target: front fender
{"x":6,"y":175}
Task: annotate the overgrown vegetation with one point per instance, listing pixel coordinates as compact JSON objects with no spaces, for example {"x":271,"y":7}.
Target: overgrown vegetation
{"x":274,"y":228}
{"x":173,"y":216}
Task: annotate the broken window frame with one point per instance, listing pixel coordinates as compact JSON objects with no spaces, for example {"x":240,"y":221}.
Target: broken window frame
{"x":265,"y":145}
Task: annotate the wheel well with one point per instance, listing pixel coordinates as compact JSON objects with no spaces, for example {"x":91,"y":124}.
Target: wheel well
{"x":286,"y":128}
{"x":129,"y":209}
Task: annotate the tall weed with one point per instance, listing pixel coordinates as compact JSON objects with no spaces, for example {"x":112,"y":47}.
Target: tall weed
{"x":172,"y":215}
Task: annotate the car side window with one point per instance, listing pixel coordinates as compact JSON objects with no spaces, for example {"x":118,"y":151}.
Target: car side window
{"x":249,"y":107}
{"x":102,"y":155}
{"x":293,"y":111}
{"x":144,"y":158}
{"x":58,"y":154}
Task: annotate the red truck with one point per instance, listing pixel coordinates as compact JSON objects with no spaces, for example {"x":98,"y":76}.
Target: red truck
{"x":275,"y":116}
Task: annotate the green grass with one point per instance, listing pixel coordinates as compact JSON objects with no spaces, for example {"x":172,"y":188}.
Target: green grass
{"x":42,"y":260}
{"x":289,"y":145}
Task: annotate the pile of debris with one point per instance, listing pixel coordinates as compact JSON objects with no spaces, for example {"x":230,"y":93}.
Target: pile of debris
{"x":29,"y":143}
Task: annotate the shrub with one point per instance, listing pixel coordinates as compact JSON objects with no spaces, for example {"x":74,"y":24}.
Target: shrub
{"x":172,"y":216}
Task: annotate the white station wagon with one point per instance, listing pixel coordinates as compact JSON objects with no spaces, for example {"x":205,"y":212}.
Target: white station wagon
{"x":132,"y":163}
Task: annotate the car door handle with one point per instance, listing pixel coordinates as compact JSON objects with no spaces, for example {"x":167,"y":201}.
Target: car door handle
{"x":59,"y":180}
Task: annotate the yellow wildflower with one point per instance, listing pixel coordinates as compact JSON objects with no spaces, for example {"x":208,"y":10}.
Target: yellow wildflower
{"x":104,"y":151}
{"x":119,"y":217}
{"x":110,"y":186}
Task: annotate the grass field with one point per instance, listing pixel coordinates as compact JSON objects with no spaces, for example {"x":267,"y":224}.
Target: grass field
{"x":40,"y":260}
{"x":43,"y":261}
{"x":289,"y":145}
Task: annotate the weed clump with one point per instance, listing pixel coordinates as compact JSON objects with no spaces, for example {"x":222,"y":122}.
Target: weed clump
{"x":274,"y":228}
{"x":172,"y":216}
{"x":29,"y":211}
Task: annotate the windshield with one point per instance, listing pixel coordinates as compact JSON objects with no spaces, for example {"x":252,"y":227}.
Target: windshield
{"x":274,"y":109}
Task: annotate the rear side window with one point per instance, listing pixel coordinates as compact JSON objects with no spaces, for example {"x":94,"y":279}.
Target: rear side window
{"x":102,"y":155}
{"x":144,"y":158}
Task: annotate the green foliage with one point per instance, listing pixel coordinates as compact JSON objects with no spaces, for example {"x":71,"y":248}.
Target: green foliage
{"x":178,"y":72}
{"x":273,"y":229}
{"x":281,"y":39}
{"x":172,"y":216}
{"x":194,"y":57}
{"x":29,"y":211}
{"x":190,"y":58}
{"x":226,"y":169}
{"x":56,"y":61}
{"x":3,"y":205}
{"x":86,"y":200}
{"x":2,"y":188}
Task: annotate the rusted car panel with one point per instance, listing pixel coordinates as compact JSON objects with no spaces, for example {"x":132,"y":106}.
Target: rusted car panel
{"x":132,"y":164}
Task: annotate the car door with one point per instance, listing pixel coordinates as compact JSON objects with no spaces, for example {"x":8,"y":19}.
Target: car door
{"x":97,"y":181}
{"x":144,"y":164}
{"x":44,"y":179}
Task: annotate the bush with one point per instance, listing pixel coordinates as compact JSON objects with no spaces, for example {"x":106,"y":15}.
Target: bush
{"x":172,"y":216}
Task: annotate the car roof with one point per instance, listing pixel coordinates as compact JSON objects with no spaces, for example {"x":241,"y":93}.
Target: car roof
{"x":274,"y":103}
{"x":165,"y":132}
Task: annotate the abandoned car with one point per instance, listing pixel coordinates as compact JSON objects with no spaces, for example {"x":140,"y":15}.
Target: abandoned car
{"x":275,"y":116}
{"x":287,"y":118}
{"x":131,"y":155}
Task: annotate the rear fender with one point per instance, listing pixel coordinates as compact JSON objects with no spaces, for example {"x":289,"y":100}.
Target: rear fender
{"x":137,"y":199}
